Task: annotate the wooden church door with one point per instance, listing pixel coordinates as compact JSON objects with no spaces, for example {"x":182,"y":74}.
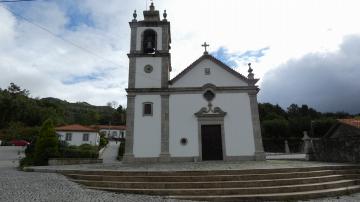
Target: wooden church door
{"x":211,"y":142}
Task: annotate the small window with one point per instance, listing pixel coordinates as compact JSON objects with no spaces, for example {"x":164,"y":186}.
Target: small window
{"x":68,"y":136}
{"x":85,"y":137}
{"x":147,"y":109}
{"x":207,"y":71}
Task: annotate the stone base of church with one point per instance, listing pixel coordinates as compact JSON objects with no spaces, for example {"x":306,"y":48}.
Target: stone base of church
{"x":260,"y":156}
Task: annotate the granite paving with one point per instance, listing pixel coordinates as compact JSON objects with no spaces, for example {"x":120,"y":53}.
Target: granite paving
{"x":110,"y":153}
{"x":19,"y":186}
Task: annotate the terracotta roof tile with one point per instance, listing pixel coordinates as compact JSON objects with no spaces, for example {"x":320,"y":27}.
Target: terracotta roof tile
{"x":75,"y":127}
{"x":112,"y":127}
{"x":351,"y":122}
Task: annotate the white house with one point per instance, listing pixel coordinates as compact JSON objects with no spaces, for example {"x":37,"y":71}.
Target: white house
{"x":207,"y":112}
{"x":112,"y":131}
{"x":77,"y":135}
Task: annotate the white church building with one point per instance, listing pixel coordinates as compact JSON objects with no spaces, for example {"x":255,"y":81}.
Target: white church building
{"x":207,"y":112}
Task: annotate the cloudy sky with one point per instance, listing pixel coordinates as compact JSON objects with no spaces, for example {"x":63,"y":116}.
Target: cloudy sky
{"x":304,"y":51}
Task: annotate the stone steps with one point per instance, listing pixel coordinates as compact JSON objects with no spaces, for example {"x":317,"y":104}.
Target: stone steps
{"x":227,"y":185}
{"x":275,"y":196}
{"x":233,"y":191}
{"x":211,"y":172}
{"x":210,"y":184}
{"x":194,"y":178}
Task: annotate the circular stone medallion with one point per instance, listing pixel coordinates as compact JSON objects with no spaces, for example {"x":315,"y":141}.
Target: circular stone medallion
{"x":148,"y":69}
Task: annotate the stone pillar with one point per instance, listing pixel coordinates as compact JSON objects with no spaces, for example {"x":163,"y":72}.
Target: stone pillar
{"x":129,"y":141}
{"x":164,"y":154}
{"x":308,"y":150}
{"x":287,"y":149}
{"x":133,"y":38}
{"x":165,"y":65}
{"x":259,"y":149}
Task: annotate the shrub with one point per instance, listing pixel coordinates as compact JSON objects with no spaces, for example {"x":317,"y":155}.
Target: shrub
{"x":47,"y":144}
{"x":103,"y":141}
{"x":26,"y":161}
{"x":121,"y":150}
{"x":82,"y":151}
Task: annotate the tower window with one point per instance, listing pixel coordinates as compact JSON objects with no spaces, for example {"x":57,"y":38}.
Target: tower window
{"x":149,"y":41}
{"x":147,"y":109}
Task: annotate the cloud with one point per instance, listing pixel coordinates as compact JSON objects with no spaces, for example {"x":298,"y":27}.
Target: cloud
{"x":48,"y":66}
{"x":235,"y":60}
{"x":326,"y":81}
{"x":95,"y":71}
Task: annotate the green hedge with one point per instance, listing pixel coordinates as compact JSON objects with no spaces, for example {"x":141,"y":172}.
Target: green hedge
{"x":82,"y":151}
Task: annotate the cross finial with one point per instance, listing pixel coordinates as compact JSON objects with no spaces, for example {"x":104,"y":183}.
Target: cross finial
{"x":152,"y":7}
{"x":205,"y":45}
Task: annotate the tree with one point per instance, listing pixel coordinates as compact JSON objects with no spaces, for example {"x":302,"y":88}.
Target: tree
{"x":47,"y":144}
{"x":16,"y":90}
{"x":276,"y":129}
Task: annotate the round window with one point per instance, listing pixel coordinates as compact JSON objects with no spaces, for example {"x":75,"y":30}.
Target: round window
{"x":209,"y":95}
{"x":183,"y":141}
{"x":148,"y":68}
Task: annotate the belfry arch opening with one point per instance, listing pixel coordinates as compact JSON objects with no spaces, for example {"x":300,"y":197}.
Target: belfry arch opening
{"x":149,"y":41}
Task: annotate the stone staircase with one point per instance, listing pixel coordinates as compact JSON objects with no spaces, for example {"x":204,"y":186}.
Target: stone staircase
{"x":228,"y":185}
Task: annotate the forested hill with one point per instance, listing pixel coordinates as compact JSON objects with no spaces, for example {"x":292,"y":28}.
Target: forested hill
{"x":19,"y":112}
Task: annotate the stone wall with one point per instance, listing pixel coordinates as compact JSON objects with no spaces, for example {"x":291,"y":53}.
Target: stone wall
{"x":343,"y":145}
{"x":70,"y":161}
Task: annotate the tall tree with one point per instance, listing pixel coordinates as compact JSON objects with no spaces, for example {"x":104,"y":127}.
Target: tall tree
{"x":47,"y":144}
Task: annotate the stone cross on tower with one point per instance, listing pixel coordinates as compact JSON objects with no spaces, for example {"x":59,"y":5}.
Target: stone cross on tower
{"x":205,"y":45}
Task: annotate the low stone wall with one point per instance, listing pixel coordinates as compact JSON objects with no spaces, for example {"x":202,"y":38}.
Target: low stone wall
{"x":71,"y":161}
{"x":337,"y":150}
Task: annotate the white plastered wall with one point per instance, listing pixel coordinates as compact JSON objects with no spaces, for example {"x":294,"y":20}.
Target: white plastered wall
{"x":239,"y":138}
{"x":147,"y":129}
{"x":113,"y":132}
{"x":140,"y":31}
{"x":218,"y":76}
{"x":148,"y":80}
{"x":77,"y":137}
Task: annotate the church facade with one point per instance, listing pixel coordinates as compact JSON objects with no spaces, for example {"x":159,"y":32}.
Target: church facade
{"x":207,"y":112}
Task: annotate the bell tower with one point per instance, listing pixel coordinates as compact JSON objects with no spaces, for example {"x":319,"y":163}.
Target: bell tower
{"x":149,"y":56}
{"x":147,"y":111}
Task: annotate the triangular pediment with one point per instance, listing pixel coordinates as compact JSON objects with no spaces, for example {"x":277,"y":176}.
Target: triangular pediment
{"x":208,"y":69}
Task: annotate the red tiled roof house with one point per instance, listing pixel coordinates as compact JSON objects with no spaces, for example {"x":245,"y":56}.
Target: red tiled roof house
{"x":77,"y":134}
{"x":112,"y":131}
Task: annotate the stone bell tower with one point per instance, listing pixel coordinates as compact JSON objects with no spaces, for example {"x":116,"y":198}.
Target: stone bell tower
{"x":149,"y":69}
{"x":149,"y":50}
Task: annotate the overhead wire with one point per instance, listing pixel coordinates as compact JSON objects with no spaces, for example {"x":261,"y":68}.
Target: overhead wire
{"x":13,"y":1}
{"x":70,"y":42}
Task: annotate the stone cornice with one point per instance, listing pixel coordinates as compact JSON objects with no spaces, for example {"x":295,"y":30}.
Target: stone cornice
{"x":243,"y":89}
{"x":156,"y":54}
{"x":149,"y":24}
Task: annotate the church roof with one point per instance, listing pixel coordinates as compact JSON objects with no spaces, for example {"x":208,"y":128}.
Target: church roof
{"x":216,"y":61}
